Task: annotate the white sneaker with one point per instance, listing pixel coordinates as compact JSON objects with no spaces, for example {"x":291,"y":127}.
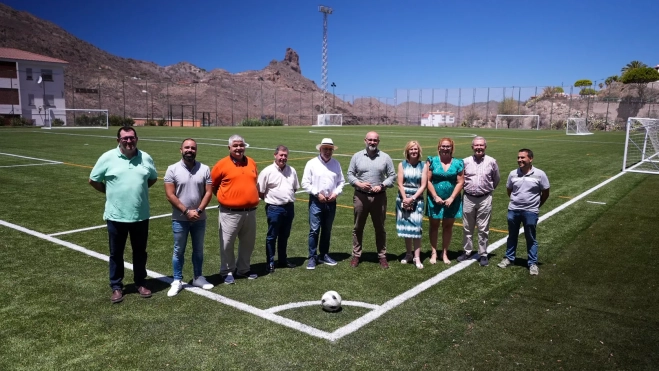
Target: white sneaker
{"x":177,"y":286}
{"x":201,"y":282}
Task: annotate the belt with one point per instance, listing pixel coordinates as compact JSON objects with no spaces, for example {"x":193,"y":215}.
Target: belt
{"x":474,"y":195}
{"x":369,"y":193}
{"x":239,"y":209}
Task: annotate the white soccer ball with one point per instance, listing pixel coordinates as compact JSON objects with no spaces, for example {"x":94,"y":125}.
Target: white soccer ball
{"x":331,"y":301}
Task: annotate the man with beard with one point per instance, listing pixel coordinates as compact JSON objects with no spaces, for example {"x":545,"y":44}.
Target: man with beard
{"x":481,"y":174}
{"x":234,"y":182}
{"x":277,"y":184}
{"x":370,"y":172}
{"x":323,"y":180}
{"x":125,"y":175}
{"x":188,"y":188}
{"x":528,"y":189}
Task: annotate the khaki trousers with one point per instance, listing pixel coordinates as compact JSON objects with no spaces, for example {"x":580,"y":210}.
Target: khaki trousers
{"x":376,"y":206}
{"x":476,"y":211}
{"x":241,"y":225}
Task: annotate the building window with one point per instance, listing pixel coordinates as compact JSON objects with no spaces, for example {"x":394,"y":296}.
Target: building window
{"x":49,"y":100}
{"x":7,"y":70}
{"x":47,"y":75}
{"x":30,"y":99}
{"x":8,"y":96}
{"x":28,"y":73}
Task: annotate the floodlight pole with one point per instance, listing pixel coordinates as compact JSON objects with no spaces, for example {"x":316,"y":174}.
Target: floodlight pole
{"x":326,"y":11}
{"x":146,"y":89}
{"x":333,"y":95}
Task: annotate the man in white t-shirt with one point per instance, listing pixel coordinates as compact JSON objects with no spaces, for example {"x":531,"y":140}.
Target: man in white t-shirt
{"x":323,"y":180}
{"x":188,"y":188}
{"x":277,"y":185}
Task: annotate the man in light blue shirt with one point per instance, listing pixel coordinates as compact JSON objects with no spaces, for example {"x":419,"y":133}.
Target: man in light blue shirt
{"x":125,"y":175}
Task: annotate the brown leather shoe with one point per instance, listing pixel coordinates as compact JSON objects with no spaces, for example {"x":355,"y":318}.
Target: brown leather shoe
{"x":144,"y":292}
{"x":117,"y":296}
{"x":383,"y":263}
{"x":354,"y":262}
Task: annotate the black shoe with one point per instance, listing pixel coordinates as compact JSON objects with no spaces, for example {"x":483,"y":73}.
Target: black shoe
{"x":271,"y":268}
{"x":286,"y":264}
{"x":484,"y":260}
{"x":465,"y":255}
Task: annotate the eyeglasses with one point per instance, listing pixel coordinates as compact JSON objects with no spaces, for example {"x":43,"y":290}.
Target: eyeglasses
{"x":444,"y":146}
{"x":128,"y":139}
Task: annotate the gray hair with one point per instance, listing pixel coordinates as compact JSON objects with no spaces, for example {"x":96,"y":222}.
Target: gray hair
{"x":479,"y":138}
{"x":235,"y":138}
{"x":282,"y":148}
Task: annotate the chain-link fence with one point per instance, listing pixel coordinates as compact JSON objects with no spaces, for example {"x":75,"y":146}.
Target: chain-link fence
{"x":226,"y":102}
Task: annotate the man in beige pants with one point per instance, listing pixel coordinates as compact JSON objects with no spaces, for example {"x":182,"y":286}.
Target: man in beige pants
{"x":481,"y":176}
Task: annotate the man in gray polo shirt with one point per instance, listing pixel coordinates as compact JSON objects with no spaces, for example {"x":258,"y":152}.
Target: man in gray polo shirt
{"x":370,"y":172}
{"x":528,"y":189}
{"x":188,"y":188}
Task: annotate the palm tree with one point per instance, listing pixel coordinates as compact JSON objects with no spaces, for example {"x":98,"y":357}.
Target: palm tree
{"x":631,"y":65}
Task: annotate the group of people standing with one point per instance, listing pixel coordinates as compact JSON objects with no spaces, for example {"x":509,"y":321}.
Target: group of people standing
{"x":125,"y":174}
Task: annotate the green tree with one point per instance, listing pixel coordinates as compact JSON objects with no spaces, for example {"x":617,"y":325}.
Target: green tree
{"x":583,"y":83}
{"x":610,"y":80}
{"x":587,"y":92}
{"x":559,"y":90}
{"x":639,"y":78}
{"x":508,"y":106}
{"x":632,"y":65}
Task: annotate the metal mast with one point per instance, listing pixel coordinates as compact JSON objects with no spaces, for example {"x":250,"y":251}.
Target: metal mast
{"x":326,"y":11}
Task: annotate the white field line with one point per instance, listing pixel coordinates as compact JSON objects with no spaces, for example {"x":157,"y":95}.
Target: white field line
{"x":596,"y":202}
{"x":47,"y":163}
{"x":348,"y":303}
{"x":31,"y":158}
{"x":208,"y":294}
{"x":105,"y":225}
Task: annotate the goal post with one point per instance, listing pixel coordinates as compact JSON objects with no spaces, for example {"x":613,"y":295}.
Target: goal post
{"x":330,"y":119}
{"x":76,"y":118}
{"x":641,"y":146}
{"x":517,"y":122}
{"x":576,"y":126}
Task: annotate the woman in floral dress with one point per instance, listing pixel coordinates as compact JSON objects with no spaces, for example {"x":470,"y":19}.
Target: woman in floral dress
{"x":445,"y":181}
{"x":412,"y":182}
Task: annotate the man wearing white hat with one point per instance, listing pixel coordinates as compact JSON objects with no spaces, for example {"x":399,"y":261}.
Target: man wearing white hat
{"x":323,"y":180}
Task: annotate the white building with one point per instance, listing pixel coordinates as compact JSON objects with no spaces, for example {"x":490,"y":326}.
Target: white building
{"x":30,"y":84}
{"x":438,"y":118}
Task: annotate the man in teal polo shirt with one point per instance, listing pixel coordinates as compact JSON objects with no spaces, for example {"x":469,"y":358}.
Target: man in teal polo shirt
{"x":125,"y":174}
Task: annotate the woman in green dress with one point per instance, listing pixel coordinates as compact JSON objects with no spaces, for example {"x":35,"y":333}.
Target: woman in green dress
{"x":445,"y":182}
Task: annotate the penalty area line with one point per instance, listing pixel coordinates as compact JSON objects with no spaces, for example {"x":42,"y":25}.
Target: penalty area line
{"x":205,"y":293}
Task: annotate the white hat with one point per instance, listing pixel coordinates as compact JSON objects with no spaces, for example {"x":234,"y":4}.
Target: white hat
{"x":326,"y":142}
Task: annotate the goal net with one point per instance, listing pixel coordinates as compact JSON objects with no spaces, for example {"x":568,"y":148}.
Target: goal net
{"x":642,"y":146}
{"x":576,"y":126}
{"x":517,"y":122}
{"x":67,"y":118}
{"x":330,"y":119}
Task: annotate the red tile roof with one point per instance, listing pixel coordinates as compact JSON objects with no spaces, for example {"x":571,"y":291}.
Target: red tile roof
{"x":21,"y":55}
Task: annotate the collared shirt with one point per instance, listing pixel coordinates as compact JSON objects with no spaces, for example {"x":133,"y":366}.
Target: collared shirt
{"x":481,"y":177}
{"x":126,"y":184}
{"x":236,"y":182}
{"x":278,"y":185}
{"x":376,"y":170}
{"x":526,"y":189}
{"x":190,"y":186}
{"x":323,"y":177}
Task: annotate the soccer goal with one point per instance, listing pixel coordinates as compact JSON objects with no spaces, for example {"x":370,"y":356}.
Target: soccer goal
{"x":330,"y":119}
{"x":518,"y":122}
{"x":642,"y":146}
{"x":576,"y":126}
{"x":69,"y":118}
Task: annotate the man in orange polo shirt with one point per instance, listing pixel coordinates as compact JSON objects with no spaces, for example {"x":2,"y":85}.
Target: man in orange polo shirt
{"x":234,"y":182}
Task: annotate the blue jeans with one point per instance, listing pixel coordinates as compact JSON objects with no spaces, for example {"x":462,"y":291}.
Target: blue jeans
{"x":280,"y":220}
{"x":321,"y":218}
{"x":117,"y":234}
{"x":530,"y":220}
{"x":197,"y":231}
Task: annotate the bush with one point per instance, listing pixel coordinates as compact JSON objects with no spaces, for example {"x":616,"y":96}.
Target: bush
{"x":85,"y":120}
{"x":57,"y":122}
{"x":264,"y":122}
{"x":588,"y":91}
{"x":162,"y":122}
{"x":19,"y":121}
{"x":150,"y":122}
{"x":115,"y":120}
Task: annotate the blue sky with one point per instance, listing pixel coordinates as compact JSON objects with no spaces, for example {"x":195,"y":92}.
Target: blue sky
{"x":376,"y":46}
